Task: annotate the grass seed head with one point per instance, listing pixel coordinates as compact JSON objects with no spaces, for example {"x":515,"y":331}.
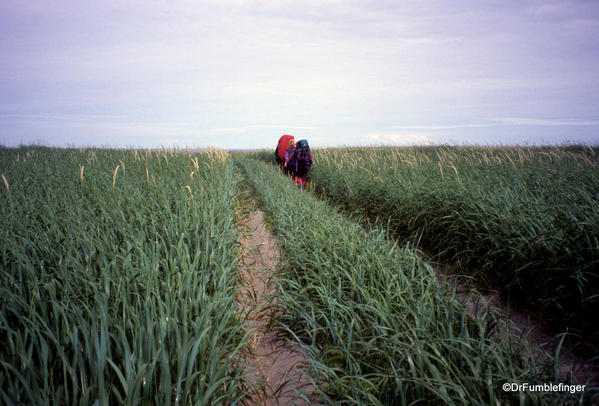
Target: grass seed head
{"x":5,"y":183}
{"x":114,"y":175}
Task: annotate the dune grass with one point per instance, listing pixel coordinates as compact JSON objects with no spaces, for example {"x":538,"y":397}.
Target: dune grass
{"x":373,"y":319}
{"x":524,"y":220}
{"x":118,"y":273}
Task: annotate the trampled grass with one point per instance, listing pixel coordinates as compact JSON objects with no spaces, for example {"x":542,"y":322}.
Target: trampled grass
{"x":118,"y":273}
{"x":374,"y":320}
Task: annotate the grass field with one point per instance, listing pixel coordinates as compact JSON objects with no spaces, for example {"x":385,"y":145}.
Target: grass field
{"x":118,"y":276}
{"x":521,"y":220}
{"x":373,"y":317}
{"x":120,"y":271}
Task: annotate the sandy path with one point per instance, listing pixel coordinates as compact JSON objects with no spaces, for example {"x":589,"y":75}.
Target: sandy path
{"x":280,"y":368}
{"x":517,"y":323}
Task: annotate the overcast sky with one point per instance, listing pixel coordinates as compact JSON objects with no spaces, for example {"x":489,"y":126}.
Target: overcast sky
{"x":238,"y":74}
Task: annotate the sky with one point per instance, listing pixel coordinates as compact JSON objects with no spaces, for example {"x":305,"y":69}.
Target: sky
{"x":239,"y":74}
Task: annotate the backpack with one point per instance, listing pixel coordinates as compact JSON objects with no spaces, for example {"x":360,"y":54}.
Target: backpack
{"x":303,"y":157}
{"x":282,"y":146}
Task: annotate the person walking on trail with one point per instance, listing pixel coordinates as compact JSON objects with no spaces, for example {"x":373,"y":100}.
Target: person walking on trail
{"x":300,"y":161}
{"x":286,"y":168}
{"x":281,"y":149}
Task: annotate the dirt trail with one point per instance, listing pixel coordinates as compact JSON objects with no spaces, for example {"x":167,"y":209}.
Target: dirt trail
{"x":519,"y":324}
{"x":280,"y":368}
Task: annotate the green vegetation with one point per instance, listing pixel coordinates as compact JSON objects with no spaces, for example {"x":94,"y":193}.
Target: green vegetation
{"x":119,"y":270}
{"x":118,"y":273}
{"x":373,"y":318}
{"x":521,"y":220}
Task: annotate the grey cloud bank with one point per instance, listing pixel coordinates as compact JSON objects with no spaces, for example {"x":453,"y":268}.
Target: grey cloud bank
{"x":237,"y":74}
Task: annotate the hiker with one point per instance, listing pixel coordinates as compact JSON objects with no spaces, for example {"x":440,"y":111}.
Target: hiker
{"x":282,"y":147}
{"x":286,"y":168}
{"x":300,"y":161}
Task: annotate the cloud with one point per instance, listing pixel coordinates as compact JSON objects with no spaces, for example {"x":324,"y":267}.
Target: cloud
{"x":400,"y":138}
{"x":503,"y":121}
{"x":221,"y":71}
{"x":283,"y":127}
{"x":225,"y":130}
{"x":62,"y":117}
{"x":441,"y":127}
{"x":545,"y":122}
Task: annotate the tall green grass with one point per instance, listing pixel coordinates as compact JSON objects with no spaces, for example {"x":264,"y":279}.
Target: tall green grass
{"x":118,"y":274}
{"x":522,"y":220}
{"x":373,"y":319}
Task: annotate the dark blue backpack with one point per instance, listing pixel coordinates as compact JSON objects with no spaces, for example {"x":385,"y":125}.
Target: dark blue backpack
{"x":302,"y":155}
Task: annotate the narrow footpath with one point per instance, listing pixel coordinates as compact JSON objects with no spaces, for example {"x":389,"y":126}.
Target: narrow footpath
{"x":513,"y":324}
{"x":280,"y":369}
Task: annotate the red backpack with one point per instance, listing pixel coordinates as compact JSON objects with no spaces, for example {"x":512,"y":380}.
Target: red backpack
{"x":282,"y":146}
